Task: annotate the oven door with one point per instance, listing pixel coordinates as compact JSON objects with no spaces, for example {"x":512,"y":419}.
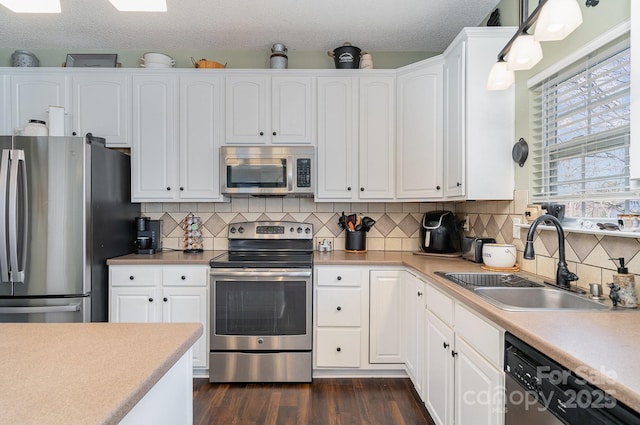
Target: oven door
{"x":260,"y":309}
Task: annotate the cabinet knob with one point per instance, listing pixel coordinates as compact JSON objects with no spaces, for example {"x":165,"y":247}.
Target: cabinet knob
{"x":339,"y":277}
{"x":165,"y":299}
{"x":181,"y":188}
{"x":349,"y":188}
{"x":339,"y":308}
{"x":437,"y":187}
{"x":183,"y":277}
{"x":168,"y":188}
{"x":338,"y":349}
{"x":419,"y":293}
{"x":458,"y":184}
{"x":131,"y":277}
{"x":362,"y":189}
{"x":274,"y":133}
{"x":445,"y":345}
{"x":454,"y":353}
{"x":262,"y":133}
{"x":150,"y":300}
{"x":74,"y":133}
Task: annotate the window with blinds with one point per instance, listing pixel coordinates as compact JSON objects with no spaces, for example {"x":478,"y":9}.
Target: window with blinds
{"x":582,"y":135}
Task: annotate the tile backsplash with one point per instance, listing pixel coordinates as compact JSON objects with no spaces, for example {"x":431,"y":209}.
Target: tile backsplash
{"x":397,"y":229}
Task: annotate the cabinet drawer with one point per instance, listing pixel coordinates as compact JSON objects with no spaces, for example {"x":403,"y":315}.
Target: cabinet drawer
{"x":480,"y":334}
{"x":338,"y":347}
{"x":440,"y":304}
{"x":338,"y":276}
{"x":185,"y":275}
{"x":135,"y":276}
{"x":338,"y":306}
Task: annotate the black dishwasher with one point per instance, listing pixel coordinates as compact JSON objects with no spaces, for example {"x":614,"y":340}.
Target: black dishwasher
{"x":542,"y":392}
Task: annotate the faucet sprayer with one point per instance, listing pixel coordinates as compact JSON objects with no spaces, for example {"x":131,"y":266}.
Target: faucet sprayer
{"x":563,"y":276}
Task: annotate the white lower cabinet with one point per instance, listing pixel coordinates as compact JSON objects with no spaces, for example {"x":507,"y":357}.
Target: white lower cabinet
{"x":168,"y":293}
{"x":386,"y":303}
{"x":464,"y":380}
{"x":413,"y":335}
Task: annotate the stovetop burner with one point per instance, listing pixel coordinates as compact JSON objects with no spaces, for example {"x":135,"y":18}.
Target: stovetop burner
{"x":267,"y":244}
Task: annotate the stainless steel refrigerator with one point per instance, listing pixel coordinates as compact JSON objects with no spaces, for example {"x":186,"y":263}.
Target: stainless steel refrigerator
{"x":65,"y":207}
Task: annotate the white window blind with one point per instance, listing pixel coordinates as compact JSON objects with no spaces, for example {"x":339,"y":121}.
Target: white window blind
{"x":582,"y":129}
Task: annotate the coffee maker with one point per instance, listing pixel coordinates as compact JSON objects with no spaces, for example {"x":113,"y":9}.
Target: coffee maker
{"x":148,"y":235}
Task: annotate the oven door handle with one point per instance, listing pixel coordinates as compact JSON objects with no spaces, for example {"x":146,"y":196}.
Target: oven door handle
{"x":260,"y":273}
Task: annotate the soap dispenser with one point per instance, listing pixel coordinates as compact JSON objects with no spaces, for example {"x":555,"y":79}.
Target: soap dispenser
{"x":626,"y":283}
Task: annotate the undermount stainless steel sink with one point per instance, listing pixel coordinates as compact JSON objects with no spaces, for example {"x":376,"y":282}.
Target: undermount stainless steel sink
{"x":531,"y":299}
{"x":514,"y":292}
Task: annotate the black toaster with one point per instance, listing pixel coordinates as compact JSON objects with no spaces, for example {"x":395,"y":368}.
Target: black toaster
{"x":472,"y":248}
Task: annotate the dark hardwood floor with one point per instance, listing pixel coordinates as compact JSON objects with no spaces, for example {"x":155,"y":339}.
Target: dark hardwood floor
{"x":384,"y":401}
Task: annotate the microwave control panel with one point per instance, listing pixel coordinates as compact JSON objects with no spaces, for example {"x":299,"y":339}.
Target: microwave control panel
{"x":303,"y":171}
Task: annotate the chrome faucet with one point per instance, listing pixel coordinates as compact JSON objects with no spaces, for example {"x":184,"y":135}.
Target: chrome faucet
{"x":563,"y":276}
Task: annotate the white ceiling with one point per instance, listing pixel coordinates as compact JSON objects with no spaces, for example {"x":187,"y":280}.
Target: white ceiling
{"x":304,"y":25}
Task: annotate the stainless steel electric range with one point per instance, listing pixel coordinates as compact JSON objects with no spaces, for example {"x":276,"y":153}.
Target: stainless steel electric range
{"x":261,"y":291}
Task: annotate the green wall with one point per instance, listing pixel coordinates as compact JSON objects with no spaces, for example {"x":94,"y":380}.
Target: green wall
{"x":596,"y":20}
{"x":234,"y":59}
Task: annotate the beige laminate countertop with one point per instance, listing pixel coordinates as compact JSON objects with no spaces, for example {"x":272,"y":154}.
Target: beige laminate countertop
{"x":600,"y":346}
{"x":84,"y":373}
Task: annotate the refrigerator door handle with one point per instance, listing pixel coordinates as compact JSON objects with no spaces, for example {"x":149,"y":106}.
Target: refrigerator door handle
{"x":4,"y":188}
{"x":18,"y":262}
{"x":41,"y":309}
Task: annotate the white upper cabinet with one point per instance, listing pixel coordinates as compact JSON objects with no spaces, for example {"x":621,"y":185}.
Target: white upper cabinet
{"x":102,"y":106}
{"x":337,"y":138}
{"x":479,"y":130}
{"x":154,"y":149}
{"x":33,"y":93}
{"x":420,"y":131}
{"x":5,"y":126}
{"x":269,"y":110}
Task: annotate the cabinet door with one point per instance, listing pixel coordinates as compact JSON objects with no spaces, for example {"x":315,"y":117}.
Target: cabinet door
{"x":479,"y":395}
{"x":200,"y":138}
{"x":292,"y":110}
{"x":420,"y":133}
{"x":5,"y":95}
{"x":337,"y":139}
{"x":246,"y":109}
{"x":188,"y":305}
{"x":134,"y":304}
{"x":31,"y":96}
{"x":414,"y":328}
{"x":101,"y":105}
{"x":438,"y":370}
{"x":455,"y":122}
{"x":386,"y":304}
{"x":154,"y":154}
{"x":377,"y":136}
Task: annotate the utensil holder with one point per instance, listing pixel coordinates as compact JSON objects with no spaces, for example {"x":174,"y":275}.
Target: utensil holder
{"x":356,"y":241}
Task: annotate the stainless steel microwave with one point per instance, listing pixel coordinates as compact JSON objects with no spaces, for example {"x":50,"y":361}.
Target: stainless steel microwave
{"x":267,"y":170}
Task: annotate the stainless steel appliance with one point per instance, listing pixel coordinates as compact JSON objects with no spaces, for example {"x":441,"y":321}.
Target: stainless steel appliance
{"x":261,"y":291}
{"x":540,"y":391}
{"x":64,"y":209}
{"x":267,"y":170}
{"x":472,"y":248}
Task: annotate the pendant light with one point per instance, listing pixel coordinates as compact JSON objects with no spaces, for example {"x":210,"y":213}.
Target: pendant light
{"x":524,"y":54}
{"x":32,"y":6}
{"x":500,"y":77}
{"x":557,"y":20}
{"x":140,"y":5}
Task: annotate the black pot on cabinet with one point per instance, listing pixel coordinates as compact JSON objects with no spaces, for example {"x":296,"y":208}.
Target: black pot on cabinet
{"x":440,"y":233}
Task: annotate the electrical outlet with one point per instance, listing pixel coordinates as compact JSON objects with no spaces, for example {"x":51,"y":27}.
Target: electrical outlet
{"x":465,"y":225}
{"x":516,"y":229}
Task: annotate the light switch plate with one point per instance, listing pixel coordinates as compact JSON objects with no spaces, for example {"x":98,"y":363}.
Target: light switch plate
{"x":516,"y":229}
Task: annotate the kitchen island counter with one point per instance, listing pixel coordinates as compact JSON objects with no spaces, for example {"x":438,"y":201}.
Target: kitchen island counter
{"x":89,"y":373}
{"x":599,"y":346}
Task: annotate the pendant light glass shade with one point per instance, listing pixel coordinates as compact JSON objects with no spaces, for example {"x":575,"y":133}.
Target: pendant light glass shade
{"x":500,"y":78}
{"x":32,"y":6}
{"x":558,"y":19}
{"x":140,"y":5}
{"x":525,"y":53}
